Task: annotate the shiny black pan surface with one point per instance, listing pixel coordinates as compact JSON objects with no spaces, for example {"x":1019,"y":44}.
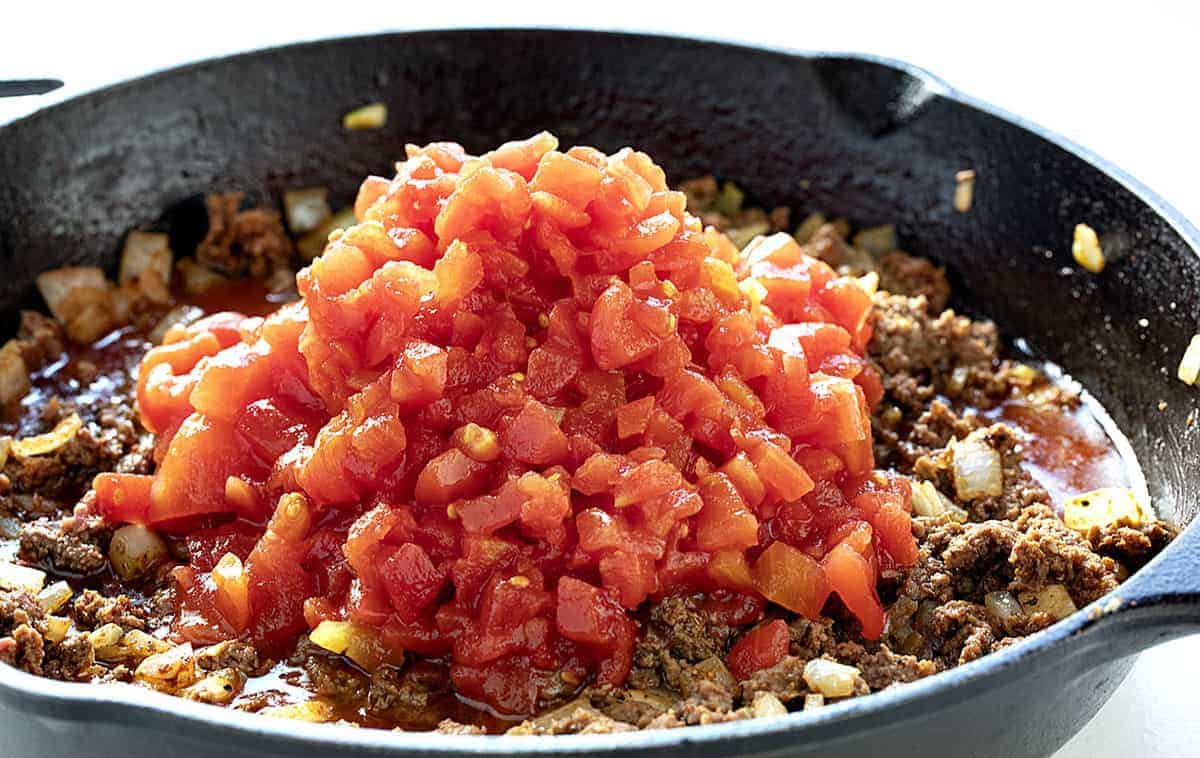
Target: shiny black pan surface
{"x":871,"y":139}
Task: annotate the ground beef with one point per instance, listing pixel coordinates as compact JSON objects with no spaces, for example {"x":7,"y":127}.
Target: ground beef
{"x":961,"y":631}
{"x":784,"y":680}
{"x":391,"y":688}
{"x":709,"y":703}
{"x":73,"y":544}
{"x":240,"y":656}
{"x":677,"y":635}
{"x":91,"y":610}
{"x":829,"y":244}
{"x":1049,"y":552}
{"x":241,"y":242}
{"x":39,"y":339}
{"x":689,"y":632}
{"x":72,"y":660}
{"x":450,"y":726}
{"x":23,"y":643}
{"x":920,"y":355}
{"x":329,"y":675}
{"x":576,"y":717}
{"x":904,"y":274}
{"x":941,"y":597}
{"x":702,"y":195}
{"x":636,"y":707}
{"x":1132,"y":547}
{"x":881,"y":667}
{"x":109,"y":440}
{"x":810,"y":639}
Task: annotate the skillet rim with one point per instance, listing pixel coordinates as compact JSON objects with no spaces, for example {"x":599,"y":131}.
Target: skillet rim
{"x":135,"y":706}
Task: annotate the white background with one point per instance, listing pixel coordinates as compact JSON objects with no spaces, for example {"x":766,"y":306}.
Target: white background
{"x":1119,"y":78}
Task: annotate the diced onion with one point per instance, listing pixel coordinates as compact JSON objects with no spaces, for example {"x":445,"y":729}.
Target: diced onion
{"x":808,"y":227}
{"x":1107,"y":506}
{"x":729,"y":201}
{"x":60,"y":285}
{"x":1086,"y":249}
{"x":357,"y":643}
{"x":172,"y":665}
{"x":333,"y":636}
{"x":1189,"y":366}
{"x":305,"y":208}
{"x":830,"y":678}
{"x":315,"y":711}
{"x":765,"y":704}
{"x":134,"y":550}
{"x":107,"y":636}
{"x":54,"y":597}
{"x":311,"y":244}
{"x":813,"y":700}
{"x":1052,"y":599}
{"x":964,"y":190}
{"x":1003,"y":605}
{"x":62,"y":433}
{"x":928,"y":501}
{"x":877,"y":240}
{"x":57,"y":628}
{"x":197,"y":278}
{"x":219,"y":687}
{"x":146,"y":265}
{"x":137,"y":645}
{"x":14,"y":374}
{"x":15,"y":577}
{"x":977,"y":468}
{"x":371,"y":116}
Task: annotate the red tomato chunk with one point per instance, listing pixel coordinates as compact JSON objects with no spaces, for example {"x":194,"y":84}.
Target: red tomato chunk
{"x":524,"y":395}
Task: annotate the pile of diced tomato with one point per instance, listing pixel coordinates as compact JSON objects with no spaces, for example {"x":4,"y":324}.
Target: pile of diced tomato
{"x":525,"y":395}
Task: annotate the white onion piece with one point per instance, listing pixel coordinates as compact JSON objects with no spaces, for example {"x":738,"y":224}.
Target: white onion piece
{"x":134,"y":550}
{"x":830,"y":678}
{"x":1003,"y":605}
{"x":977,"y":468}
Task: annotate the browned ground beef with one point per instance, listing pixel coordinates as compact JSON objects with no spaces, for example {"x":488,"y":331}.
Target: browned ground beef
{"x":244,"y":242}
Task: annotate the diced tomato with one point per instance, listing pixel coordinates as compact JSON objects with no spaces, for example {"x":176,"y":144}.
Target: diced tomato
{"x":523,"y":396}
{"x":851,"y":577}
{"x":450,"y":476}
{"x":760,"y":648}
{"x":726,"y":522}
{"x":123,"y":498}
{"x":411,"y":580}
{"x":792,"y":579}
{"x":617,"y":340}
{"x":533,"y":436}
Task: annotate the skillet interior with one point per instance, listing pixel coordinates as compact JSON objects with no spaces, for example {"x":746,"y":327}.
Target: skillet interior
{"x":846,"y":135}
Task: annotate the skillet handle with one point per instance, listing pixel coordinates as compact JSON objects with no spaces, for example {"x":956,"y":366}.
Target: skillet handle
{"x":1157,"y":604}
{"x":22,"y":87}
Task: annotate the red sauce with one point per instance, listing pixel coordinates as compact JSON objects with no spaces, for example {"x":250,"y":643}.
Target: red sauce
{"x":1067,"y":451}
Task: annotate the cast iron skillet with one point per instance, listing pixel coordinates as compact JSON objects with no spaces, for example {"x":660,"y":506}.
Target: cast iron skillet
{"x":859,"y":136}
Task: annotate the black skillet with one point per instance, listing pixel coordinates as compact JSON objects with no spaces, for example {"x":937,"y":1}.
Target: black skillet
{"x":859,"y":136}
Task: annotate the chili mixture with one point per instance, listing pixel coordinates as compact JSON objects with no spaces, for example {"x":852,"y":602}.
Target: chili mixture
{"x":533,"y":443}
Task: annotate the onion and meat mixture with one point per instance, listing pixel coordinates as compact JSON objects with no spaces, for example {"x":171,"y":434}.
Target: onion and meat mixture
{"x":534,"y":444}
